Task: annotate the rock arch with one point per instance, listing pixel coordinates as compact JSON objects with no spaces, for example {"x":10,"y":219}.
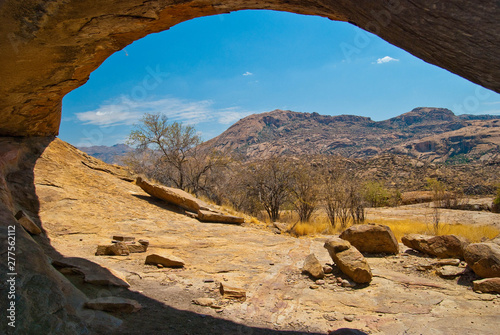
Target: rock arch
{"x":50,"y":47}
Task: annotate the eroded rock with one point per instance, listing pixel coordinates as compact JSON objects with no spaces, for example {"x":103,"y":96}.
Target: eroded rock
{"x":313,"y":267}
{"x":484,"y":259}
{"x":211,"y":216}
{"x":349,"y":260}
{"x":444,"y":246}
{"x":487,"y":285}
{"x":165,"y":260}
{"x":371,"y":238}
{"x":232,"y":292}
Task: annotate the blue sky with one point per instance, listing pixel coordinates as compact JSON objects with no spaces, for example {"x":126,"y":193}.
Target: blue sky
{"x":212,"y":71}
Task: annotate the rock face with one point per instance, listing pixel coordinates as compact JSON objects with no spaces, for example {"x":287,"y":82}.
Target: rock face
{"x":27,"y":223}
{"x":488,"y":285}
{"x":484,"y":259}
{"x":313,"y":267}
{"x":349,"y":260}
{"x":445,"y":246}
{"x":71,"y":39}
{"x":114,"y":304}
{"x":371,"y":238}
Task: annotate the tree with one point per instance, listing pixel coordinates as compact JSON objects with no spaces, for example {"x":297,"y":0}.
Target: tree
{"x":304,"y":190}
{"x":168,"y":153}
{"x":438,"y":194}
{"x":376,"y":194}
{"x":269,"y":182}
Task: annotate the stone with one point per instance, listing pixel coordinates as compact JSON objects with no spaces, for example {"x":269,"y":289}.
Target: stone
{"x":349,"y":260}
{"x":487,"y":285}
{"x":371,"y":238}
{"x":444,"y":246}
{"x":27,"y":223}
{"x":447,"y":261}
{"x":313,"y":267}
{"x":115,"y":249}
{"x":483,"y":259}
{"x":114,"y":304}
{"x":137,"y":248}
{"x":123,"y":238}
{"x":207,"y":302}
{"x":347,"y":283}
{"x":165,"y":260}
{"x":231,"y":292}
{"x":449,"y":271}
{"x":211,"y":216}
{"x":171,"y":195}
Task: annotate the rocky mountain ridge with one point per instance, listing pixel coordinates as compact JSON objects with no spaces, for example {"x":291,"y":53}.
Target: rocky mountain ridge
{"x":430,"y":134}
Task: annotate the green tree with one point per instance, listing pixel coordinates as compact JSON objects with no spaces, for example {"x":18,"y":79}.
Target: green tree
{"x":375,"y":194}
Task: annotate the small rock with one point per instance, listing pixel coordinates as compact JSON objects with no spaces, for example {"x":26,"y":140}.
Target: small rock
{"x":349,"y":318}
{"x":116,"y":249}
{"x":488,"y":285}
{"x":339,"y":280}
{"x":232,"y":292}
{"x":27,"y":223}
{"x":320,"y":282}
{"x":448,"y":261}
{"x":327,"y":269}
{"x":208,"y":280}
{"x":123,"y":238}
{"x":207,"y":302}
{"x":313,"y":286}
{"x":137,"y":248}
{"x":449,"y":271}
{"x":313,"y":267}
{"x":347,"y":283}
{"x":165,"y":260}
{"x":114,"y":304}
{"x":159,"y":266}
{"x":329,"y":317}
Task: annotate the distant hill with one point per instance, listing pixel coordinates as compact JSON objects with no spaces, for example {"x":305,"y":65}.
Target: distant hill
{"x":110,"y":155}
{"x":429,"y":134}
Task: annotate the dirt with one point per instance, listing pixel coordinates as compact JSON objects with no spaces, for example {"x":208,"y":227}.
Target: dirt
{"x":81,"y":207}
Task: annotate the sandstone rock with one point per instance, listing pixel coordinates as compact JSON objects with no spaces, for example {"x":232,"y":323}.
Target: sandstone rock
{"x":349,"y":260}
{"x":447,"y":261}
{"x":137,"y":248}
{"x":232,"y":292}
{"x":484,"y":259}
{"x":207,"y":302}
{"x":27,"y":223}
{"x":371,"y":238}
{"x":313,"y":267}
{"x":115,"y":249}
{"x":449,"y":271}
{"x":211,"y":216}
{"x":488,"y":285}
{"x":165,"y":260}
{"x":172,"y":195}
{"x":445,"y":246}
{"x":114,"y":304}
{"x":123,"y":238}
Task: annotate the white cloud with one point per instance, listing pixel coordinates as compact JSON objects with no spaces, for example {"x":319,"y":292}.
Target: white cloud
{"x":248,"y":74}
{"x":126,"y":112}
{"x":386,"y":59}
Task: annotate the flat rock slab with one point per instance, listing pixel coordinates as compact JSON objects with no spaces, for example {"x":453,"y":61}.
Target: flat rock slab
{"x":123,"y":238}
{"x":172,"y":195}
{"x":349,"y":260}
{"x":371,"y":238}
{"x":165,"y":260}
{"x":93,"y":273}
{"x":114,"y":304}
{"x":115,"y":249}
{"x":488,"y":285}
{"x":211,"y":216}
{"x":449,"y":271}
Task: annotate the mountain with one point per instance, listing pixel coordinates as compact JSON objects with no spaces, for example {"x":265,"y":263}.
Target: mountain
{"x":110,"y":155}
{"x":429,"y":134}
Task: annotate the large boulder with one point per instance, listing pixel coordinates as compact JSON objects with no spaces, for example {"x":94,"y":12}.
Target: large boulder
{"x":349,"y":260}
{"x":371,"y":238}
{"x":313,"y":267}
{"x":171,"y":195}
{"x":445,"y":246}
{"x":484,"y":259}
{"x":212,"y":216}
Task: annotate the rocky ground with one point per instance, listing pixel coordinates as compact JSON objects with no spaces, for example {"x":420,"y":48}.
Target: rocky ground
{"x":84,"y":204}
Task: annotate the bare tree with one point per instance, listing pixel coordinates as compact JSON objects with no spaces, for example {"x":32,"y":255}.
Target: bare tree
{"x":304,"y":189}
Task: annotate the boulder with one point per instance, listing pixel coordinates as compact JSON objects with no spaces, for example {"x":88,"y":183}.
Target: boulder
{"x":488,"y":285}
{"x":171,"y":195}
{"x":444,"y":246}
{"x":212,"y":216}
{"x":371,"y":238}
{"x":114,"y":304}
{"x":349,"y":260}
{"x":27,"y":223}
{"x":484,"y":259}
{"x":449,"y":271}
{"x":115,"y":249}
{"x":313,"y":267}
{"x":232,"y":292}
{"x":165,"y":260}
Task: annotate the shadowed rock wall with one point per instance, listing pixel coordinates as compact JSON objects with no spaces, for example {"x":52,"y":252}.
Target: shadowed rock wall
{"x":50,"y":47}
